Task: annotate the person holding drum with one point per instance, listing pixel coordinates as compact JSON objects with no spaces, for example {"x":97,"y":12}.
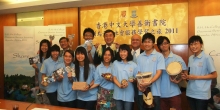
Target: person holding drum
{"x":124,"y":70}
{"x":150,"y":61}
{"x":201,"y":72}
{"x":169,"y":89}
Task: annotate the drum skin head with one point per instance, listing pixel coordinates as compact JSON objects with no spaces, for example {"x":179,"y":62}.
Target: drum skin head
{"x":174,"y":68}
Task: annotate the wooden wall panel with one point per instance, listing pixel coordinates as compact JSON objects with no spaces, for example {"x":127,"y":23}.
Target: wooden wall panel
{"x":201,"y":8}
{"x":64,"y":16}
{"x":5,"y":20}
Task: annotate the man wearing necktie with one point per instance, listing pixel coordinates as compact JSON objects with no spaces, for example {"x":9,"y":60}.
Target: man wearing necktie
{"x":109,"y":37}
{"x":135,"y":51}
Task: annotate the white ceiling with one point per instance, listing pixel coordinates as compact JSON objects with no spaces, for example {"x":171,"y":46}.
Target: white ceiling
{"x":40,"y":5}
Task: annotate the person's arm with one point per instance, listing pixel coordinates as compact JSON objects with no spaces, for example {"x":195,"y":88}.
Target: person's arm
{"x":90,"y":56}
{"x":115,"y":80}
{"x":196,"y":77}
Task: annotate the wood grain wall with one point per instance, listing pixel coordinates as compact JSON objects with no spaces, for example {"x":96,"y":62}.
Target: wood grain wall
{"x":64,"y":16}
{"x":5,"y":20}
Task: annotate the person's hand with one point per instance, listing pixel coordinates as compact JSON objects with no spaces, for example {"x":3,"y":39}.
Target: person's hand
{"x":188,"y":77}
{"x":34,"y":66}
{"x":145,"y":84}
{"x":141,"y":88}
{"x":69,"y":74}
{"x":117,"y":45}
{"x":97,"y":45}
{"x":174,"y":80}
{"x":131,"y":79}
{"x":86,"y":88}
{"x":124,"y":84}
{"x":184,"y":75}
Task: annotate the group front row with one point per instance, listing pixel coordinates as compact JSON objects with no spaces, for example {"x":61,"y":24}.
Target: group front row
{"x":110,"y":85}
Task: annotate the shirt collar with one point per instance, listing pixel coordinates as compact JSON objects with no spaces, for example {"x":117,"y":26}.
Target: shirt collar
{"x":153,"y":52}
{"x":138,"y":50}
{"x":171,"y":54}
{"x":102,"y":65}
{"x":200,"y":55}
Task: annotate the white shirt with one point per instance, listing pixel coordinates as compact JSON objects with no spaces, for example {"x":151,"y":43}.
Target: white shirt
{"x":137,"y":52}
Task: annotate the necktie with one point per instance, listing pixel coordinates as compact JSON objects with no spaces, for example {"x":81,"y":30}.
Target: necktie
{"x":134,"y":57}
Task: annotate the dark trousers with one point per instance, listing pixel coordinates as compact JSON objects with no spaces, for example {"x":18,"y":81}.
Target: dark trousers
{"x":88,"y":105}
{"x":53,"y":98}
{"x":171,"y":102}
{"x":197,"y":104}
{"x":71,"y":104}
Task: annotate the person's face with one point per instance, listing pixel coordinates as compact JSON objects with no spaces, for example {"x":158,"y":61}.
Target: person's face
{"x":135,"y":41}
{"x":148,"y":44}
{"x":88,"y":36}
{"x":44,"y":47}
{"x":107,"y":57}
{"x":68,"y":58}
{"x":123,"y":54}
{"x":165,"y":46}
{"x":109,"y":38}
{"x":64,"y":44}
{"x":54,"y":54}
{"x":80,"y":57}
{"x":180,"y":14}
{"x":195,"y":47}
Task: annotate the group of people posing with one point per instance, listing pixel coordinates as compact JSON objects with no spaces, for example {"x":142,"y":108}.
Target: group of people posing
{"x":123,"y":62}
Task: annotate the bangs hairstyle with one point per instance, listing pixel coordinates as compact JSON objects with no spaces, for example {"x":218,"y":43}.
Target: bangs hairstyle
{"x":128,"y":49}
{"x":195,"y":38}
{"x":55,"y":47}
{"x":89,"y":30}
{"x":70,"y":52}
{"x":82,"y":50}
{"x":109,"y":30}
{"x":160,"y":41}
{"x":148,"y":36}
{"x":48,"y":51}
{"x":111,"y":52}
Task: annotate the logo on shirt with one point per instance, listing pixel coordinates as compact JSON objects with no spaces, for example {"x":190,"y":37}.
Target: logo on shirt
{"x":200,"y":64}
{"x":154,"y":59}
{"x":131,"y":70}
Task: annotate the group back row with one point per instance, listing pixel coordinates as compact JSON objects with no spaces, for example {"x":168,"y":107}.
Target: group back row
{"x":110,"y":73}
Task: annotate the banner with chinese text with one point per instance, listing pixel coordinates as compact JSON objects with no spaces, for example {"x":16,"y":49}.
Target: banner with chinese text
{"x":169,"y":20}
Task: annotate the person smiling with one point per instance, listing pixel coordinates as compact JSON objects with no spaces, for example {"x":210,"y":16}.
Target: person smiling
{"x":124,"y":71}
{"x":65,"y":95}
{"x":201,"y":72}
{"x":48,"y":67}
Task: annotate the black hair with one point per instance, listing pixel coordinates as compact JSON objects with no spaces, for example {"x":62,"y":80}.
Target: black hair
{"x":109,"y":30}
{"x":195,"y":38}
{"x":63,"y":38}
{"x":48,"y":51}
{"x":89,"y":30}
{"x":148,"y":36}
{"x":111,"y":52}
{"x":82,"y":50}
{"x":128,"y":49}
{"x":55,"y":47}
{"x":160,"y":40}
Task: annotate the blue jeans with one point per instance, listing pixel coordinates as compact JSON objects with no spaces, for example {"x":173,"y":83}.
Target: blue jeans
{"x":123,"y":105}
{"x":156,"y":103}
{"x":197,"y":104}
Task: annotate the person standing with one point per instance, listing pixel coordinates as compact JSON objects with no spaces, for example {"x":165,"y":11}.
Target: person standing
{"x":201,"y":72}
{"x":169,"y":89}
{"x":151,"y":61}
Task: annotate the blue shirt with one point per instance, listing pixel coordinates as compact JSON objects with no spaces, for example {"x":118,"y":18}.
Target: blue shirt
{"x":168,"y":88}
{"x":200,"y":65}
{"x":48,"y":67}
{"x":64,"y":90}
{"x":122,"y":71}
{"x":89,"y":95}
{"x":92,"y":51}
{"x":151,"y":63}
{"x":100,"y":80}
